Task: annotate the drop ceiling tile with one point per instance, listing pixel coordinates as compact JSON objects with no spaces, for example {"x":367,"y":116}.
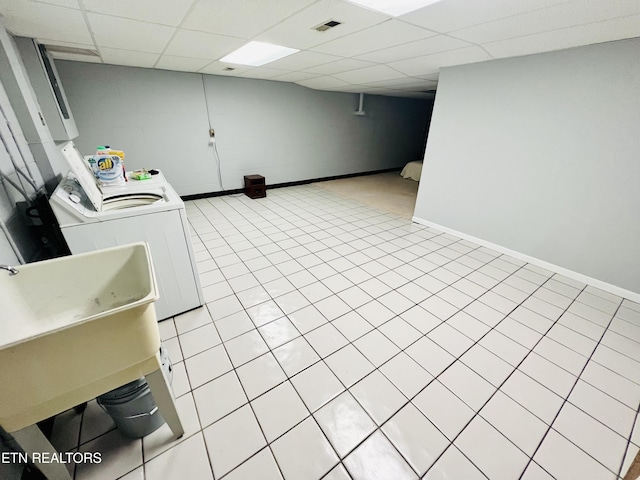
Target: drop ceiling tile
{"x":387,"y":34}
{"x":294,"y":77}
{"x":566,"y":15}
{"x":432,"y":63}
{"x":297,"y":30}
{"x":322,"y":83}
{"x":136,"y":33}
{"x":302,"y":60}
{"x":369,"y":74}
{"x":165,"y":12}
{"x":402,"y":83}
{"x":609,"y":30}
{"x":40,"y":20}
{"x":189,"y":43}
{"x":457,"y":14}
{"x":339,"y":66}
{"x":117,"y":56}
{"x":129,"y":34}
{"x":240,"y":18}
{"x":61,"y":3}
{"x":423,"y":87}
{"x":404,"y":93}
{"x":184,"y":64}
{"x":262,"y":72}
{"x":435,"y":44}
{"x":431,"y":76}
{"x":218,"y":68}
{"x":358,"y":89}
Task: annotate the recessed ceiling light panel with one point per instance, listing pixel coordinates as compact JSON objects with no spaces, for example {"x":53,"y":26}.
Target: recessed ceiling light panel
{"x":394,"y":7}
{"x":257,"y":54}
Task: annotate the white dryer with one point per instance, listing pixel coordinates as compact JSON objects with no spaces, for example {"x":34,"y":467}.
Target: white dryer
{"x":92,"y":217}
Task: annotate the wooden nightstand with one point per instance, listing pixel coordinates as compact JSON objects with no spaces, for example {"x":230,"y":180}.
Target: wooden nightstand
{"x":254,"y":186}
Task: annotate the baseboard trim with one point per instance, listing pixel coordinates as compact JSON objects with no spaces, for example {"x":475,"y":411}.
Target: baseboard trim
{"x":198,"y":196}
{"x":607,"y":287}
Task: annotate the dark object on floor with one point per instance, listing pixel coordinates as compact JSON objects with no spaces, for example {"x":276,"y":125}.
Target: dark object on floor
{"x":32,"y":473}
{"x":255,"y":186}
{"x":634,"y":469}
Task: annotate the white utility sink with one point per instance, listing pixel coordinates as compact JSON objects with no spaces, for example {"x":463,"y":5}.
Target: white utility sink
{"x":74,"y":328}
{"x":45,"y":297}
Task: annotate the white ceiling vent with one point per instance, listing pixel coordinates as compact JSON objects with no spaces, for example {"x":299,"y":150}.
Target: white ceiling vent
{"x":71,"y":50}
{"x":323,"y":27}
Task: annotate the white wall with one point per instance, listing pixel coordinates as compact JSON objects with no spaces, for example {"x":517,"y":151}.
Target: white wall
{"x":282,"y":131}
{"x":540,"y":154}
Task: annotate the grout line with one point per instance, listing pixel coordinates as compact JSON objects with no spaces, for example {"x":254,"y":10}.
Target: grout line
{"x":287,"y":379}
{"x":629,"y":442}
{"x":565,"y":400}
{"x":450,"y":260}
{"x":437,"y":267}
{"x":255,"y":417}
{"x":346,"y":389}
{"x":408,"y":281}
{"x":477,"y":412}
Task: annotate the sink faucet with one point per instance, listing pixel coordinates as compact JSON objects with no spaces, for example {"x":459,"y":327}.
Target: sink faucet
{"x":11,"y":270}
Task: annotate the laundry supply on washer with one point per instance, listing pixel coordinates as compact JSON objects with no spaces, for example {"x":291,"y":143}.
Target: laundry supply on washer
{"x":108,"y":166}
{"x":142,"y":174}
{"x":107,"y":150}
{"x":107,"y":169}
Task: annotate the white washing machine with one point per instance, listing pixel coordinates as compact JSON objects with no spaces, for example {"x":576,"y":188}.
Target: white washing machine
{"x":92,"y":217}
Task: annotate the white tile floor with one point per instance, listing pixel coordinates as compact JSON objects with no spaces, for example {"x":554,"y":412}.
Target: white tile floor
{"x":341,"y":342}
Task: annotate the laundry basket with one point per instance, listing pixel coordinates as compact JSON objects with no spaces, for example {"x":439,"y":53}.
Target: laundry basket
{"x":132,"y":406}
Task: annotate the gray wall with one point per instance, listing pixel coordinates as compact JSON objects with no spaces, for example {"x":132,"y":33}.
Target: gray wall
{"x":7,"y":211}
{"x":282,"y":131}
{"x":540,"y":154}
{"x":19,"y":137}
{"x":25,"y":105}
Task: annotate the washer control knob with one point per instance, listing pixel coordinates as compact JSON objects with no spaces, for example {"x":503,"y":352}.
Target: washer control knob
{"x":74,"y":198}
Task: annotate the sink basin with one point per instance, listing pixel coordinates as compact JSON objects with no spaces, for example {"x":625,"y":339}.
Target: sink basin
{"x":56,"y":294}
{"x":73,"y":328}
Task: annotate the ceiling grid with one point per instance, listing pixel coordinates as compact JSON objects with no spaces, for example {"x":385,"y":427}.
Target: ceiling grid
{"x":369,"y":51}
